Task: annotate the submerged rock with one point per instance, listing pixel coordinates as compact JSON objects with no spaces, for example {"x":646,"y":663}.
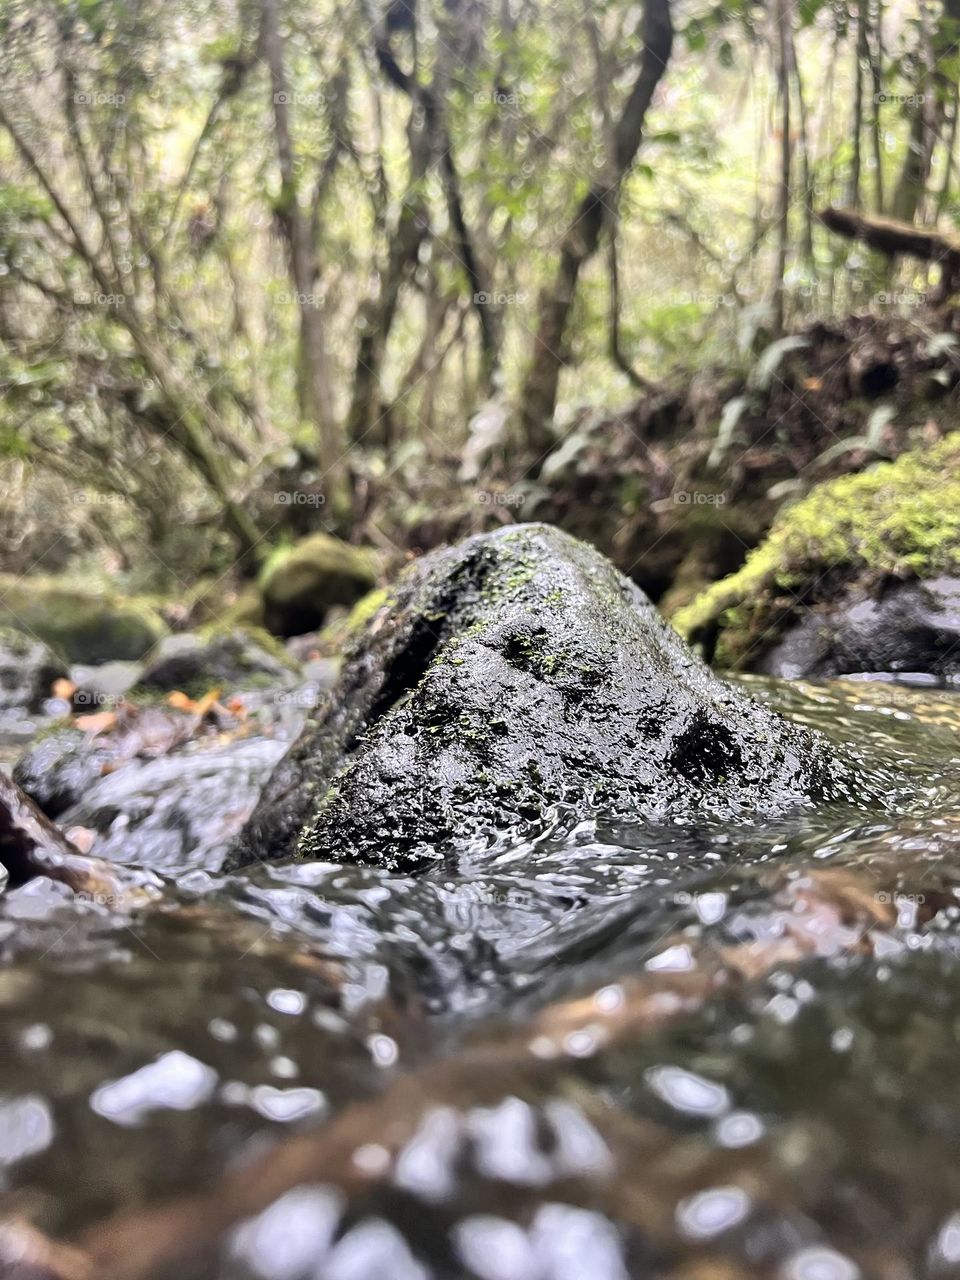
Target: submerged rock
{"x":508,"y":675}
{"x":28,"y":669}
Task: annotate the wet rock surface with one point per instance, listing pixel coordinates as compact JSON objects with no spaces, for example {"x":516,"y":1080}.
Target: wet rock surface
{"x":910,"y":627}
{"x":511,"y":674}
{"x":28,"y":669}
{"x":62,"y":765}
{"x":179,"y":810}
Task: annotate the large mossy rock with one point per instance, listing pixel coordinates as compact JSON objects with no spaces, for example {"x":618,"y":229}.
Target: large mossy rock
{"x":28,"y":669}
{"x":300,"y":584}
{"x":514,"y":673}
{"x":857,"y":576}
{"x":83,"y":626}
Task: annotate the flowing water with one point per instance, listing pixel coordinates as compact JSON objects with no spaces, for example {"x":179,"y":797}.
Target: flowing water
{"x":609,"y":1052}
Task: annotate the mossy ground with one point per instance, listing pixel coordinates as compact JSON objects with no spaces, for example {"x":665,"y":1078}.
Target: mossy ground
{"x":899,"y":519}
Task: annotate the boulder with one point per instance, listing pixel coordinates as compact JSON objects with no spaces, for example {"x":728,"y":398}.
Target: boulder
{"x":300,"y":584}
{"x":510,"y":677}
{"x":84,"y":626}
{"x":196,"y":662}
{"x":910,"y":627}
{"x":28,"y":669}
{"x":859,"y":575}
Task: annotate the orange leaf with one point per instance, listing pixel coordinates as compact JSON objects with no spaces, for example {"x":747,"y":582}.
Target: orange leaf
{"x":181,"y":701}
{"x":82,"y":837}
{"x":813,"y":384}
{"x":207,"y":702}
{"x":63,"y":688}
{"x":99,"y":722}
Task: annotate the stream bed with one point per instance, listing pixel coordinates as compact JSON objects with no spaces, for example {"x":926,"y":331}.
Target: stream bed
{"x":695,"y":1052}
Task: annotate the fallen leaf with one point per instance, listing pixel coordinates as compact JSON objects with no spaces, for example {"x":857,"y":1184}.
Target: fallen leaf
{"x":813,"y":384}
{"x":99,"y":722}
{"x":181,"y":701}
{"x":82,"y":837}
{"x":63,"y":688}
{"x":207,"y":703}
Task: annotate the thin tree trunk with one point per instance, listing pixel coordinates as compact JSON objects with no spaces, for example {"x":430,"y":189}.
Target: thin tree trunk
{"x":783,"y":194}
{"x":316,"y":400}
{"x":190,"y":418}
{"x":539,"y":398}
{"x":860,"y":51}
{"x":876,"y":77}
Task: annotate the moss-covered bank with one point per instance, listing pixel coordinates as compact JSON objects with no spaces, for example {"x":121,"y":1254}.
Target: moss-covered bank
{"x":898,"y":519}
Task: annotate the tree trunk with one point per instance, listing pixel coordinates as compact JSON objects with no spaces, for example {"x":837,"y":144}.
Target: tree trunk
{"x":783,"y":194}
{"x":539,"y":398}
{"x":313,"y":382}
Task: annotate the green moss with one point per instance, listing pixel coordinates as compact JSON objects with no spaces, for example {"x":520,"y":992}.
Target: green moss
{"x":257,"y":635}
{"x":899,"y":518}
{"x":300,"y":584}
{"x":336,"y":635}
{"x":82,"y":625}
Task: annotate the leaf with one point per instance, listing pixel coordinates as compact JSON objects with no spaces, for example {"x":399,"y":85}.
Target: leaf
{"x":730,"y":416}
{"x":813,"y":384}
{"x":772,"y":357}
{"x":63,"y":688}
{"x":941,"y":344}
{"x":98,"y":722}
{"x":201,"y":707}
{"x":207,"y":702}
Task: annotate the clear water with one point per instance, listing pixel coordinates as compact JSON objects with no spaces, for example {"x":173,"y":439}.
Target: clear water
{"x":685,"y":1052}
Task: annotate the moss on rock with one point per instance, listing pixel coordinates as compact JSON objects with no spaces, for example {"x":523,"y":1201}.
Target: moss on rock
{"x":83,"y":625}
{"x":300,"y":584}
{"x":899,"y":519}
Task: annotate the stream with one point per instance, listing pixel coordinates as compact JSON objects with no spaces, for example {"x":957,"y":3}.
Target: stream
{"x":694,"y":1052}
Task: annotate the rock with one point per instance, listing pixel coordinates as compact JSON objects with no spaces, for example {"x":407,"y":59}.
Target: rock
{"x":84,"y":626}
{"x":514,"y":673}
{"x":839,"y":574}
{"x":195,"y":662}
{"x":178,"y":811}
{"x":30,"y":845}
{"x":911,"y":627}
{"x":300,"y":584}
{"x":28,"y":669}
{"x":60,"y":767}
